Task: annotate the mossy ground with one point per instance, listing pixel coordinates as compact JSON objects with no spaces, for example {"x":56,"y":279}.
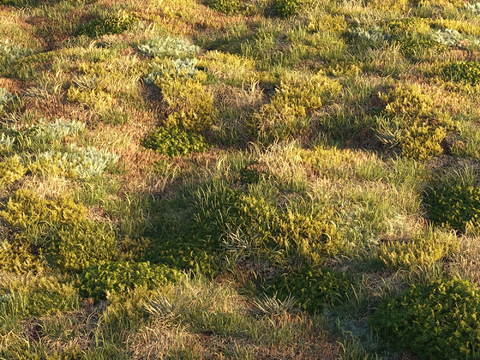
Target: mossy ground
{"x":232,"y":179}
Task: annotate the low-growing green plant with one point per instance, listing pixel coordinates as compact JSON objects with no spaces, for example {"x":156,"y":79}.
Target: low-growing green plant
{"x":76,"y":246}
{"x":285,"y":116}
{"x":174,"y":142}
{"x":17,"y":257}
{"x":422,"y":142}
{"x":190,"y":103}
{"x":111,"y":278}
{"x":312,"y":288}
{"x":167,"y":46}
{"x":467,"y":71}
{"x":115,"y":24}
{"x":454,"y":205}
{"x":228,"y":7}
{"x":11,"y":170}
{"x":421,"y":249}
{"x":436,"y":321}
{"x":288,"y":8}
{"x":26,"y":209}
{"x":38,"y":296}
{"x":74,"y":163}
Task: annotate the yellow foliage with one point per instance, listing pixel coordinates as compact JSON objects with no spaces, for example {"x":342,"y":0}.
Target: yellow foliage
{"x":423,"y":248}
{"x":95,"y":99}
{"x":327,"y":22}
{"x":11,"y":170}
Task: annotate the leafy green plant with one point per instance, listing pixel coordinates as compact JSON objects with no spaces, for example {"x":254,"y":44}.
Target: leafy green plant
{"x":288,"y":8}
{"x":285,"y":116}
{"x":454,"y":205}
{"x":467,"y":71}
{"x":26,"y":209}
{"x":437,"y":321}
{"x":422,"y":142}
{"x":11,"y":170}
{"x":109,"y":278}
{"x":226,"y":6}
{"x":190,"y":105}
{"x":38,"y":296}
{"x":174,"y":142}
{"x":312,"y":288}
{"x":169,"y":47}
{"x":74,"y":247}
{"x":421,"y":249}
{"x":115,"y":24}
{"x":74,"y":163}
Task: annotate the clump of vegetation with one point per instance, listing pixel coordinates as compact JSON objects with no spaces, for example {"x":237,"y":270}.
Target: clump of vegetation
{"x":467,"y":71}
{"x":76,"y":246}
{"x":421,"y":249}
{"x":100,"y":281}
{"x":416,"y":125}
{"x":228,"y":7}
{"x":422,"y":142}
{"x":169,"y":47}
{"x":72,"y":241}
{"x":454,"y":206}
{"x":11,"y":170}
{"x":39,"y":296}
{"x":26,"y":209}
{"x":16,"y":257}
{"x":437,"y":320}
{"x":190,"y":104}
{"x":174,"y":142}
{"x":312,"y":288}
{"x":288,"y":8}
{"x":285,"y":116}
{"x":115,"y":24}
{"x":74,"y":163}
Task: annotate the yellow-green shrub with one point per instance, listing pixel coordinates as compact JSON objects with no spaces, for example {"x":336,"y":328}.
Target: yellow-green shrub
{"x":16,"y":257}
{"x":422,"y":142}
{"x":96,"y":99}
{"x":25,"y":208}
{"x":189,"y":102}
{"x":285,"y":115}
{"x":11,"y":170}
{"x":75,"y":247}
{"x":38,"y":296}
{"x":421,"y":249}
{"x":407,"y":101}
{"x":327,"y":22}
{"x":228,"y":66}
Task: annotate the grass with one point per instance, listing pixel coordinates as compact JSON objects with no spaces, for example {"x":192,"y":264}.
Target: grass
{"x":280,"y":157}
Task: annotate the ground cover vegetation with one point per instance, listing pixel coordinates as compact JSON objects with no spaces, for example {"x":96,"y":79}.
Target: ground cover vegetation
{"x":236,"y":179}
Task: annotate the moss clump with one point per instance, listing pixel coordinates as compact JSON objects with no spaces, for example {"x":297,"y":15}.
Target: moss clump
{"x":437,"y":321}
{"x":312,"y":288}
{"x":117,"y":277}
{"x":454,"y":206}
{"x":74,"y":247}
{"x":115,"y":24}
{"x":174,"y":142}
{"x":467,"y":71}
{"x":421,"y":249}
{"x":96,"y":99}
